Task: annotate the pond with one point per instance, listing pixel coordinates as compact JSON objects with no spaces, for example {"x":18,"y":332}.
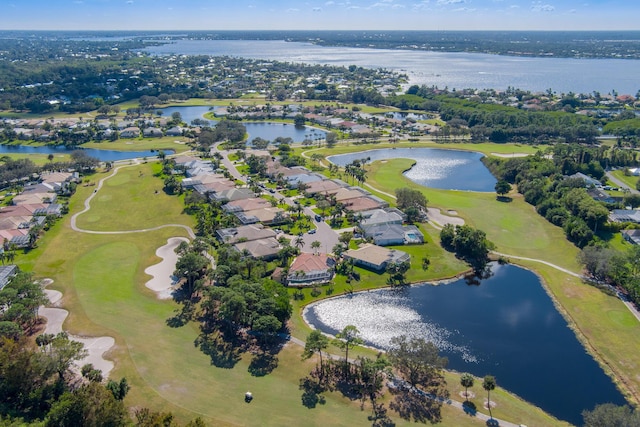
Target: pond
{"x":435,"y":167}
{"x":263,"y":129}
{"x":102,"y":155}
{"x":506,"y":326}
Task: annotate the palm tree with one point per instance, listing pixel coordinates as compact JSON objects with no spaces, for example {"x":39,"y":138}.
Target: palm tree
{"x":489,"y":383}
{"x":299,"y":242}
{"x":315,"y":245}
{"x":466,"y":381}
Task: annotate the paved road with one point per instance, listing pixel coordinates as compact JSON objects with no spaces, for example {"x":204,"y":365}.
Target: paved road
{"x":621,"y":184}
{"x":226,"y":162}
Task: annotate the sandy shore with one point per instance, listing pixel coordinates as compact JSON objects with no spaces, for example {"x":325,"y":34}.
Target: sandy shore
{"x":162,"y":281}
{"x":95,"y":346}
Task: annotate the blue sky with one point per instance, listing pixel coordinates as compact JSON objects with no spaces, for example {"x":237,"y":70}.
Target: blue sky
{"x":320,"y":14}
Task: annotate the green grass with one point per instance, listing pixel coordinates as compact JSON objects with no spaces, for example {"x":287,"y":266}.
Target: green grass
{"x":38,"y":159}
{"x":631,"y":181}
{"x":513,"y":226}
{"x":141,"y":144}
{"x":133,"y":200}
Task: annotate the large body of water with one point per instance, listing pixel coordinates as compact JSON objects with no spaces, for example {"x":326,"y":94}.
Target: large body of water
{"x":457,"y":70}
{"x":265,"y":130}
{"x":436,"y":168}
{"x":506,"y":326}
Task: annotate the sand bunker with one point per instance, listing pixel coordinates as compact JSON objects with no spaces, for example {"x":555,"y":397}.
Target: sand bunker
{"x":95,"y":346}
{"x":441,"y":219}
{"x":163,"y":281}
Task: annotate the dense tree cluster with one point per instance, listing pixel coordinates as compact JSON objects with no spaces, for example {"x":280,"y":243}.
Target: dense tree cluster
{"x":497,"y":123}
{"x":468,"y":243}
{"x":412,"y":202}
{"x":614,"y":267}
{"x":562,"y":201}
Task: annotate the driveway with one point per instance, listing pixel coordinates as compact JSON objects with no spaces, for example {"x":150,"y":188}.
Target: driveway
{"x":327,"y":237}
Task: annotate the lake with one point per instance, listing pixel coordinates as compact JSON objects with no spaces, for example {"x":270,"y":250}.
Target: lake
{"x":435,"y":167}
{"x":506,"y":326}
{"x":102,"y":155}
{"x":262,"y":129}
{"x":459,"y":70}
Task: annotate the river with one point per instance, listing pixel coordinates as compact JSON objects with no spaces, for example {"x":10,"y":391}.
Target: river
{"x":458,"y":70}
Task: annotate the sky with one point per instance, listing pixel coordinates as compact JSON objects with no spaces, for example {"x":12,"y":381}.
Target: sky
{"x":320,"y":15}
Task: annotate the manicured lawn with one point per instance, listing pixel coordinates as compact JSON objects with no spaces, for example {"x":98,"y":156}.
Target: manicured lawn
{"x":38,"y":159}
{"x":629,"y":180}
{"x":513,"y":226}
{"x":142,"y":144}
{"x":132,"y":199}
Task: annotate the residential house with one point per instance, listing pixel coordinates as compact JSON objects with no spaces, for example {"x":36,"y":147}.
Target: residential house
{"x":130,"y":132}
{"x":311,"y":269}
{"x":382,"y":216}
{"x":265,"y":249}
{"x":631,"y":236}
{"x":175,"y":131}
{"x":588,"y":181}
{"x":393,"y":234}
{"x":233,"y":194}
{"x":7,"y":272}
{"x":367,"y":203}
{"x":247,"y":204}
{"x":152,"y":132}
{"x":376,"y":258}
{"x":244,"y":233}
{"x":600,"y":196}
{"x":625,"y":215}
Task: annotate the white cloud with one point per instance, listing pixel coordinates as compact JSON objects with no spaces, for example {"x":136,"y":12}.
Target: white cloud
{"x":293,"y":10}
{"x":445,"y":2}
{"x":538,"y":6}
{"x":317,"y":9}
{"x":464,"y":9}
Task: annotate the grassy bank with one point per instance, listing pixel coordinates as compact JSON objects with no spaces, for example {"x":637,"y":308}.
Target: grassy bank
{"x":604,"y":324}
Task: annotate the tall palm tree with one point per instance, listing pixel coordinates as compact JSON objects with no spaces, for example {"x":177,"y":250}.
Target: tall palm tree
{"x":489,"y":383}
{"x":466,"y":381}
{"x":315,"y":245}
{"x":299,"y":242}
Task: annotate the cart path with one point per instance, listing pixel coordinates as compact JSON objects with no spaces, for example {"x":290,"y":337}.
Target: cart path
{"x":87,"y":207}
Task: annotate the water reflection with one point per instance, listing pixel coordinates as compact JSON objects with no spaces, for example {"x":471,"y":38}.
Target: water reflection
{"x":505,"y":325}
{"x":436,"y":168}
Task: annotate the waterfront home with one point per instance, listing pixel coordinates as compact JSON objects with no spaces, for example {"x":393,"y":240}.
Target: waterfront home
{"x":376,"y":258}
{"x":130,"y":132}
{"x":311,"y":269}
